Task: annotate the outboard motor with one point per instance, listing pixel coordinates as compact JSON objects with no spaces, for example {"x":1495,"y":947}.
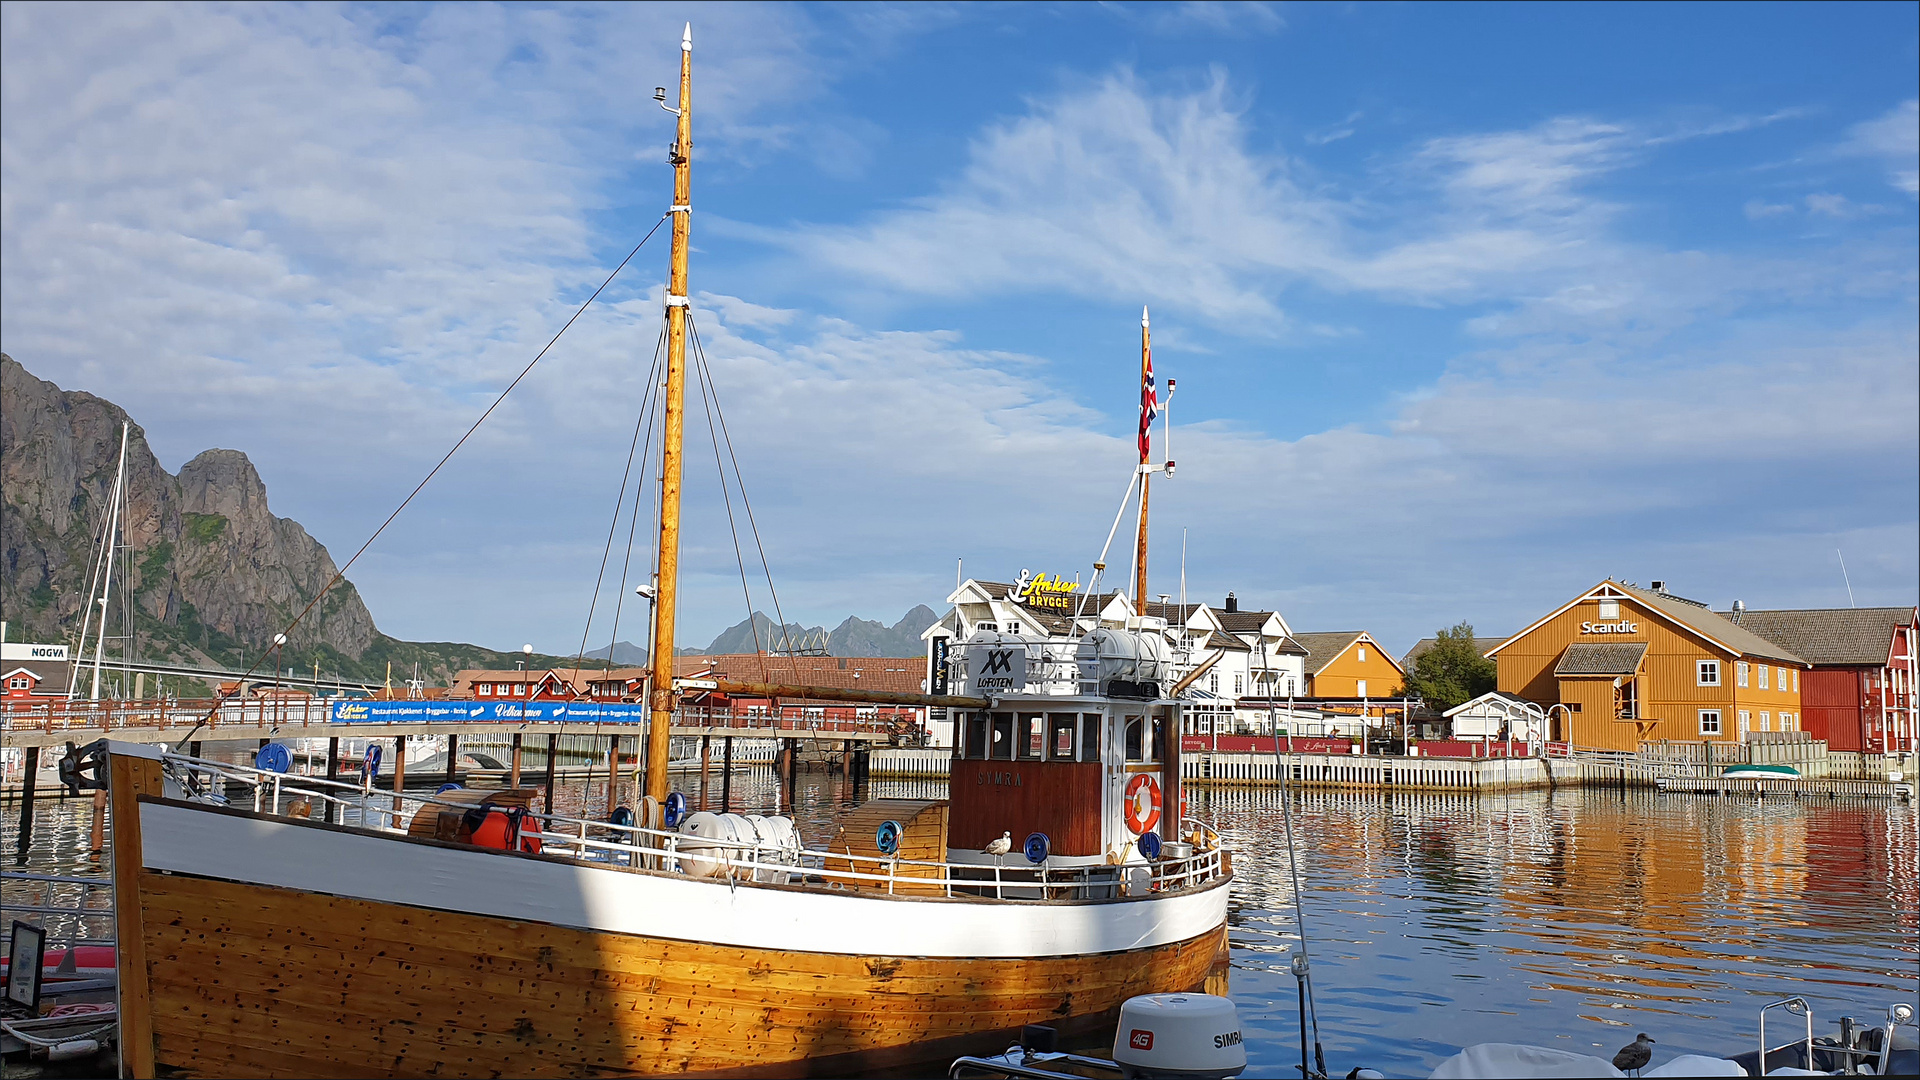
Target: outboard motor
{"x":1188,"y":1036}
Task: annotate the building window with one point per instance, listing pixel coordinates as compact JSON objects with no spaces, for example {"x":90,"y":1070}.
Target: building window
{"x":1740,"y":673}
{"x":1213,"y":682}
{"x":1709,"y":721}
{"x":1763,"y":677}
{"x":1239,"y":685}
{"x":1289,"y":686}
{"x":19,"y":682}
{"x":1609,"y":609}
{"x":1709,"y":673}
{"x":1766,"y":720}
{"x":1360,"y":688}
{"x":1783,"y":680}
{"x":1746,"y":721}
{"x":1363,"y":654}
{"x":484,"y":689}
{"x":988,"y":626}
{"x":1796,"y":680}
{"x":1013,"y":628}
{"x":1786,"y":721}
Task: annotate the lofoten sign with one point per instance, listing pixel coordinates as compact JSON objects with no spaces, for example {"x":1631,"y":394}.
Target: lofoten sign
{"x":1609,"y":627}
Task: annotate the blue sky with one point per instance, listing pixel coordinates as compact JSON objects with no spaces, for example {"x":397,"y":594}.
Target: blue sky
{"x":1470,"y":306}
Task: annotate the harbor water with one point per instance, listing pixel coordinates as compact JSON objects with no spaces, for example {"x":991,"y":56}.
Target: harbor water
{"x":1573,"y":919}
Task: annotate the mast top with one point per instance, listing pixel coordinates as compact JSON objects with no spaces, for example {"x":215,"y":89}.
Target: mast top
{"x":686,"y":39}
{"x":1143,"y":314}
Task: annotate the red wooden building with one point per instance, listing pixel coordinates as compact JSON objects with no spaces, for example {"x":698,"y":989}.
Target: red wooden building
{"x":1860,"y":693}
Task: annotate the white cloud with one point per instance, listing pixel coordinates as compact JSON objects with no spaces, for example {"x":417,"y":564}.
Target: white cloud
{"x":1894,"y":138}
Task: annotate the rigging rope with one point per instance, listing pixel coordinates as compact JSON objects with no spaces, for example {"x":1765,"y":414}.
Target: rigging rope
{"x":708,"y":394}
{"x":341,"y":573}
{"x":700,"y":355}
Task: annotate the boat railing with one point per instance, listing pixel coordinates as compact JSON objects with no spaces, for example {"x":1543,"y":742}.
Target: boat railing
{"x":737,"y":861}
{"x":74,"y":909}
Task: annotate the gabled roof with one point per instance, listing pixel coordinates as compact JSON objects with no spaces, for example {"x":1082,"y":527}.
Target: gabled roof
{"x":1324,"y":648}
{"x":1218,"y":640}
{"x":1852,"y":636}
{"x":23,"y":671}
{"x":1243,"y":622}
{"x":1688,"y":615}
{"x":1613,"y":658}
{"x":1481,"y":645}
{"x":1496,"y":697}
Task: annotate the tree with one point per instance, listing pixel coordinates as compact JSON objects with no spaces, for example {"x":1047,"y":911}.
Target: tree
{"x":1452,"y":672}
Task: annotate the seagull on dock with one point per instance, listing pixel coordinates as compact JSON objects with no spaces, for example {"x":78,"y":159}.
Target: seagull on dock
{"x":1000,"y":846}
{"x":1634,"y":1056}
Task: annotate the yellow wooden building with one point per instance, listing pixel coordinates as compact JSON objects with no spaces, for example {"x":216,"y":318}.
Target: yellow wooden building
{"x":1350,"y":664}
{"x":1626,"y":664}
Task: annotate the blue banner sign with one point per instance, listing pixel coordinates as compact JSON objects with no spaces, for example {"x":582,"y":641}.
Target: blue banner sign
{"x":489,"y":712}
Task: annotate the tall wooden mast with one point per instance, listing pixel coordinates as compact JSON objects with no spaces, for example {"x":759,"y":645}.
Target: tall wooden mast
{"x":668,"y":580}
{"x":1146,"y":478}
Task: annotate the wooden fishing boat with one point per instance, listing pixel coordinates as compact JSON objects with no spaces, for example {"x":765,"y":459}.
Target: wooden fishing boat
{"x":422,"y":935}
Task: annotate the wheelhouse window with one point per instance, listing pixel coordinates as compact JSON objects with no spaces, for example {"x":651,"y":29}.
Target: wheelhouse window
{"x":1033,"y":737}
{"x":1159,"y":746}
{"x":1090,"y":736}
{"x":1709,"y":673}
{"x":1136,"y":738}
{"x":1002,"y":749}
{"x":1060,"y":732}
{"x":1709,"y":721}
{"x":977,"y":735}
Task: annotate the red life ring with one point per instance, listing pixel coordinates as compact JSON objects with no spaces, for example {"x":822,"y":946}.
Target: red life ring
{"x":1142,"y":803}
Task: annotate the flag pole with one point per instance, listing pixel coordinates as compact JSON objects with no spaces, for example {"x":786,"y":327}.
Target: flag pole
{"x":1146,"y":435}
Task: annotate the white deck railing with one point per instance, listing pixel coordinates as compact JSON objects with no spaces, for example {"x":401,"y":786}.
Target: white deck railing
{"x":741,"y":863}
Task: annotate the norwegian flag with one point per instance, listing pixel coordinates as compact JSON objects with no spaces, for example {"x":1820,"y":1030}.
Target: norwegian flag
{"x":1149,"y":401}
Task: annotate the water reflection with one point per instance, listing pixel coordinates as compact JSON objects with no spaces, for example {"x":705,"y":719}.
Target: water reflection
{"x":1572,"y":919}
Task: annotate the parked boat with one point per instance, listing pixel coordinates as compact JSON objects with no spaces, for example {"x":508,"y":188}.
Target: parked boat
{"x":440,"y":937}
{"x":1761,"y":772}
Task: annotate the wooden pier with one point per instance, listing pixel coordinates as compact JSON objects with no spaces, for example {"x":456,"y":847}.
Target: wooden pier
{"x":1798,"y":787}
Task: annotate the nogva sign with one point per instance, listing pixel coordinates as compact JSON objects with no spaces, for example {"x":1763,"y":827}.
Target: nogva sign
{"x":1609,"y":627}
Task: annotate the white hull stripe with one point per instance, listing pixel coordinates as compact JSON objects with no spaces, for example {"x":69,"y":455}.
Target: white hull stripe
{"x":343,"y":863}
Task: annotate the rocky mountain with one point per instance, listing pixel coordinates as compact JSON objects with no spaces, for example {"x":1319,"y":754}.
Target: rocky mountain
{"x":853,"y":637}
{"x":213,"y":573}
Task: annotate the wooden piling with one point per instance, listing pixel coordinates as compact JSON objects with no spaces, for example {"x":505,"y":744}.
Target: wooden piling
{"x":97,"y":838}
{"x":333,"y":768}
{"x":453,"y":759}
{"x":26,"y":804}
{"x":726,"y":775}
{"x":513,"y":779}
{"x":706,"y":760}
{"x":613,"y":774}
{"x":399,"y":774}
{"x":553,"y":752}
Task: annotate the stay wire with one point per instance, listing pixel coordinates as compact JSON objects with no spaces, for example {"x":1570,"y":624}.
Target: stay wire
{"x":1293,"y":868}
{"x":619,"y":504}
{"x":341,"y":573}
{"x":700,"y":354}
{"x":707,"y":395}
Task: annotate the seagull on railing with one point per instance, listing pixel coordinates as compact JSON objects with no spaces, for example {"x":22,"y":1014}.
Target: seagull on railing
{"x":1000,"y":846}
{"x":1634,"y":1056}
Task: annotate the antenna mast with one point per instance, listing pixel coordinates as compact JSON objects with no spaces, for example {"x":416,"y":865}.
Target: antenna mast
{"x":668,"y":567}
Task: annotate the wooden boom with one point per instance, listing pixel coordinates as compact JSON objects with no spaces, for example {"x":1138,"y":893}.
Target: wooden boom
{"x":838,"y":693}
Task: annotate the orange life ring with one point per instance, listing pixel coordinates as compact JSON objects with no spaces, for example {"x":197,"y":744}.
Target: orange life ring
{"x":1143,"y":803}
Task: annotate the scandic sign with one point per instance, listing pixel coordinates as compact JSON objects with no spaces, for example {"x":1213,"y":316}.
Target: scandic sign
{"x":1609,"y":627}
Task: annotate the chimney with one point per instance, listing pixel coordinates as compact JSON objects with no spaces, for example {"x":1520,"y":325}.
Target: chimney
{"x":1659,"y":586}
{"x":1739,"y":610}
{"x":1233,"y":604}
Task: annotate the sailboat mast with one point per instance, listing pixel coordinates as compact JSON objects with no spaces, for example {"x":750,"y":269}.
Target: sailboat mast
{"x":668,"y":568}
{"x":1146,"y":478}
{"x":113,"y":533}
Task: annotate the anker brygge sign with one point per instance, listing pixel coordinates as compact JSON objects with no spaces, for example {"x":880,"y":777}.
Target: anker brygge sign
{"x":1609,"y":627}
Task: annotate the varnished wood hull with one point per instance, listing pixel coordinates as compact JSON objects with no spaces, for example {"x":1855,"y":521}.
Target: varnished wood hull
{"x":249,"y":981}
{"x":254,"y":946}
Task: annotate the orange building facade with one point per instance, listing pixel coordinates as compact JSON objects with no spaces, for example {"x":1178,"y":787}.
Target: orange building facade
{"x":1619,"y":665}
{"x":1350,"y":664}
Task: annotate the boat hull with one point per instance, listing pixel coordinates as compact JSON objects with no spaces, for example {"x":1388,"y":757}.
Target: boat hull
{"x":253,"y":969}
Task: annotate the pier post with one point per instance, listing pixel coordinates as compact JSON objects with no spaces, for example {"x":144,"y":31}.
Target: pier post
{"x":194,"y":748}
{"x":333,"y":767}
{"x":706,"y":760}
{"x":784,"y":771}
{"x":97,"y":840}
{"x":613,"y":774}
{"x":453,"y":758}
{"x":513,"y":778}
{"x":553,"y":744}
{"x":726,"y":775}
{"x":399,"y":775}
{"x":26,"y":804}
